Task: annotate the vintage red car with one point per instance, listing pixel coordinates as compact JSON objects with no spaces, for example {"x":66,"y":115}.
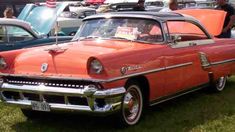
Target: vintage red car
{"x":119,"y":63}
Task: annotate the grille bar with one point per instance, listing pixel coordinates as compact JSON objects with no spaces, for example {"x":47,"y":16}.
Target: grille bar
{"x":45,"y":82}
{"x":48,"y":98}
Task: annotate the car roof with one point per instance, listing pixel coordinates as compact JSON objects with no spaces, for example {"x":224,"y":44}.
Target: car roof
{"x":141,"y":14}
{"x":19,"y":23}
{"x":16,"y":22}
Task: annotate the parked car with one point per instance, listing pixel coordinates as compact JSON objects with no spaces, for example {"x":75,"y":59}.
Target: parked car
{"x":94,"y":2}
{"x":121,"y":62}
{"x":16,"y":34}
{"x":44,"y":19}
{"x":199,"y":5}
{"x":128,"y":5}
{"x":116,"y":7}
{"x":73,"y":17}
{"x":155,"y":5}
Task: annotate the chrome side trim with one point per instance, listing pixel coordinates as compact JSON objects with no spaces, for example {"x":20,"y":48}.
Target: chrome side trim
{"x":223,"y":62}
{"x":179,"y":65}
{"x":151,"y":71}
{"x":100,"y":80}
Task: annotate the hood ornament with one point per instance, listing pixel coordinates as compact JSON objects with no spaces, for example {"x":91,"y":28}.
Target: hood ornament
{"x":44,"y":67}
{"x":56,"y":49}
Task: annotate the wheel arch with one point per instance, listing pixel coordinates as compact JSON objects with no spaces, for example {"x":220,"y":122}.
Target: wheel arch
{"x":143,"y":82}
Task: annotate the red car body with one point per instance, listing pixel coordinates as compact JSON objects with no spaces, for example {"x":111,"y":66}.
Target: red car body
{"x":94,"y":2}
{"x":119,"y":73}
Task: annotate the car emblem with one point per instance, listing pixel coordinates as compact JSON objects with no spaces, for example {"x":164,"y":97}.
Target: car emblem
{"x":123,"y":70}
{"x":44,"y":67}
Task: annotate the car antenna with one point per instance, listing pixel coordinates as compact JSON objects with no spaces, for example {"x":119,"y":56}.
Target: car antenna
{"x":56,"y":31}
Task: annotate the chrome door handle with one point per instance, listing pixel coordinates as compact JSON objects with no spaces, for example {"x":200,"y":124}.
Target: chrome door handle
{"x":192,"y":44}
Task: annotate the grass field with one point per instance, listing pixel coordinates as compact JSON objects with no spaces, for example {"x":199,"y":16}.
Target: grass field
{"x":196,"y":112}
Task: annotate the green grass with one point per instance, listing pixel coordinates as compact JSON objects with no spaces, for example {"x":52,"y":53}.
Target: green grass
{"x":196,"y":112}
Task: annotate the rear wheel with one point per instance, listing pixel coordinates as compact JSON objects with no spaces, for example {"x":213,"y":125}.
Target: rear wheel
{"x":219,"y":84}
{"x":132,"y":105}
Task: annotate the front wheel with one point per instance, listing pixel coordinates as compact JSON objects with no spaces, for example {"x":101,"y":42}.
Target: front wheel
{"x":132,"y":105}
{"x":219,"y":84}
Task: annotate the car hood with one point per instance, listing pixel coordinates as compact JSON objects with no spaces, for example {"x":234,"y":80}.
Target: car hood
{"x":41,"y":17}
{"x":69,"y":59}
{"x":205,"y":16}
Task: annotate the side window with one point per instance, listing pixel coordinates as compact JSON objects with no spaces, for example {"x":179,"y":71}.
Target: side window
{"x":16,"y":34}
{"x":2,"y":34}
{"x":185,"y":31}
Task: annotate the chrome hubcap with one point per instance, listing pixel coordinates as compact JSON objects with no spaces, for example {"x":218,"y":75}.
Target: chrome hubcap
{"x":132,"y":105}
{"x":221,"y":83}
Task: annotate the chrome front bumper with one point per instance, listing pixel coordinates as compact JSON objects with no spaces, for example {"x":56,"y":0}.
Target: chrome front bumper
{"x":98,"y":101}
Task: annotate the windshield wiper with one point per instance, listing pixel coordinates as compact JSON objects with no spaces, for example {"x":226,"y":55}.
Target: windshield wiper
{"x":88,"y":37}
{"x":135,"y":40}
{"x":121,"y":38}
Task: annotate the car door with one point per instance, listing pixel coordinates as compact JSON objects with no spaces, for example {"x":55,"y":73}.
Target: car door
{"x":181,"y":59}
{"x":14,"y":37}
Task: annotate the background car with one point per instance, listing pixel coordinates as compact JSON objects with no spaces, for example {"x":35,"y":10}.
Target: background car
{"x":16,"y":34}
{"x":155,"y":5}
{"x":73,"y":17}
{"x":128,"y":5}
{"x":45,"y":19}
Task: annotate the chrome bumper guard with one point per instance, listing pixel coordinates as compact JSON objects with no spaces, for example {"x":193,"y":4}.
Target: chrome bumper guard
{"x":111,"y":97}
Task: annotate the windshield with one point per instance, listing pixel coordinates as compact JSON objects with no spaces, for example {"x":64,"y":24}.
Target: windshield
{"x":41,"y":17}
{"x":121,"y":28}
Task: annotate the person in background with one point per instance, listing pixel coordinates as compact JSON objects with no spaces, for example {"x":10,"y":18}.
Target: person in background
{"x":139,"y":6}
{"x":229,"y":19}
{"x":8,"y":13}
{"x":173,"y":5}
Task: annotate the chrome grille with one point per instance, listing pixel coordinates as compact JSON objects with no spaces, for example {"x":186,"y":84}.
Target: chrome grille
{"x":57,"y":99}
{"x":50,"y":83}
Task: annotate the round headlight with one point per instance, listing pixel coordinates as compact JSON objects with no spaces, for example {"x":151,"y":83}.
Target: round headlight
{"x":96,"y":67}
{"x":3,"y":63}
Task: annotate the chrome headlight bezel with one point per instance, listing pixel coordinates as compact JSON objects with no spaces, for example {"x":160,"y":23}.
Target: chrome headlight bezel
{"x":95,"y":66}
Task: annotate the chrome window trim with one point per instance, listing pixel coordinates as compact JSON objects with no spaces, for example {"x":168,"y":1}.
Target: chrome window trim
{"x":197,"y":42}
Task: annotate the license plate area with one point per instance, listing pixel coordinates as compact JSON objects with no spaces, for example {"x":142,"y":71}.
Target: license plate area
{"x":40,"y":106}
